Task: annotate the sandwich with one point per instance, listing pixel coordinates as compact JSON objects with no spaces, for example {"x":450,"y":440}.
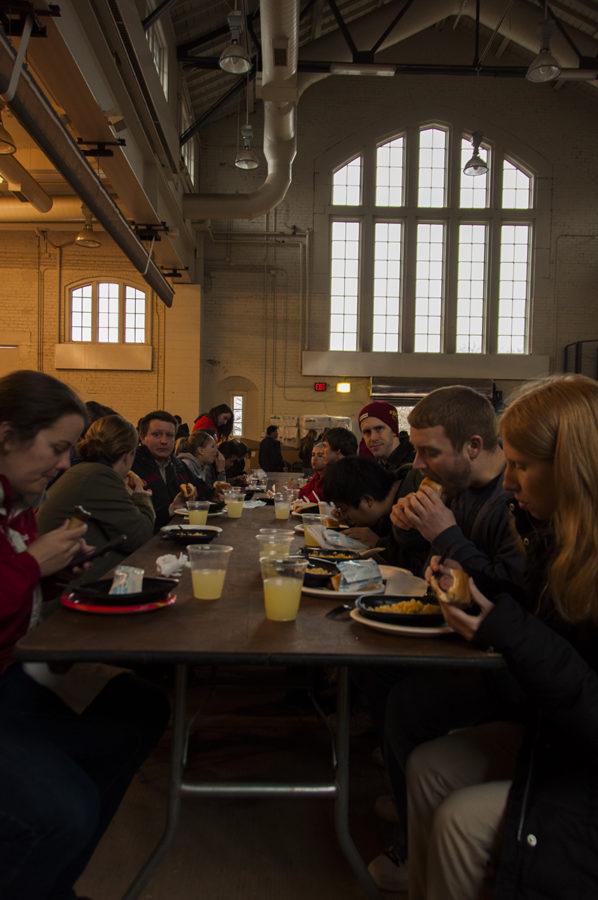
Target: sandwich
{"x":458,"y":592}
{"x":78,"y":517}
{"x":433,"y":485}
{"x":188,"y":491}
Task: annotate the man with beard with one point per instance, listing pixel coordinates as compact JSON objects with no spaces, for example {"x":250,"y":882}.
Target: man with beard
{"x":453,"y":431}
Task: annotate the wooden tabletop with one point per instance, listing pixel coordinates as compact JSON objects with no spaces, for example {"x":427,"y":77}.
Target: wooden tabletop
{"x":234,"y":628}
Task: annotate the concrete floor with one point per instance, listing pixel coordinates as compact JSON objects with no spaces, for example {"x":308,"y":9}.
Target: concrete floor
{"x":245,"y":849}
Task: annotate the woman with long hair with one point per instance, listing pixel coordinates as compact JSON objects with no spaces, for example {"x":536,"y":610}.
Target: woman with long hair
{"x":104,"y":485}
{"x":218,"y":421}
{"x":62,"y":774}
{"x":517,"y":800}
{"x":199,"y":452}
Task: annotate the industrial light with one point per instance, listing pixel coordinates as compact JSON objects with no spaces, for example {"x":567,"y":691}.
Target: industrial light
{"x":7,"y":142}
{"x":544,"y":67}
{"x":86,"y":237}
{"x":476,"y":165}
{"x":246,"y":157}
{"x":235,"y":58}
{"x":343,"y":387}
{"x":382,"y":70}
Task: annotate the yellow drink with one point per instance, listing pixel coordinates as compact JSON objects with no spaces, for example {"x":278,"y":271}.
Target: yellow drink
{"x":208,"y":583}
{"x":308,"y":538}
{"x":198,"y":516}
{"x":277,"y":551}
{"x":281,"y":598}
{"x":235,"y":508}
{"x":282,"y":510}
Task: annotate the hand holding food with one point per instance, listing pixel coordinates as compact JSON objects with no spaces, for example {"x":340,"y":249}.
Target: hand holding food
{"x":135,"y":484}
{"x":456,"y":588}
{"x":189,"y":491}
{"x":55,"y":550}
{"x":78,"y":517}
{"x":430,"y":484}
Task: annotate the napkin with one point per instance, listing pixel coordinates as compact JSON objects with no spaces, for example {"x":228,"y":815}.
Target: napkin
{"x":253,"y":504}
{"x":171,"y":565}
{"x":360,"y":575}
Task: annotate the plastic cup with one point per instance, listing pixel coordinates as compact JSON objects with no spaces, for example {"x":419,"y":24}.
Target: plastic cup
{"x":282,"y":507}
{"x":276,"y":544}
{"x":283,"y":580}
{"x":310,"y":519}
{"x":234,"y":504}
{"x":208,"y":569}
{"x":198,"y":511}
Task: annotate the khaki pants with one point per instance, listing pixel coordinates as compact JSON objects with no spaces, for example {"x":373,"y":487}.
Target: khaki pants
{"x":457,"y":789}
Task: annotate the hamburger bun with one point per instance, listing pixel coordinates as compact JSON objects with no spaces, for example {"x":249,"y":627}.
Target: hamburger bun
{"x":433,"y":485}
{"x":458,"y":593}
{"x":78,"y":517}
{"x":188,"y":491}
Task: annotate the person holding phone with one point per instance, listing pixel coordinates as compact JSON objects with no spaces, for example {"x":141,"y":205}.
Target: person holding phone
{"x":62,"y":774}
{"x":104,"y":485}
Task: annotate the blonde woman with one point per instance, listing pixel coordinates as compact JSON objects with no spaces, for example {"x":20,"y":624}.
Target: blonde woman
{"x":103,"y":484}
{"x":517,"y":801}
{"x":200,"y":453}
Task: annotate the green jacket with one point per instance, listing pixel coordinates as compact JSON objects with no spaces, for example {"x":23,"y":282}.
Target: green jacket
{"x":102,"y":492}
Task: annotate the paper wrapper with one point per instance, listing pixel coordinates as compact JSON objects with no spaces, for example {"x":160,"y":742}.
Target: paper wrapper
{"x":170,"y":565}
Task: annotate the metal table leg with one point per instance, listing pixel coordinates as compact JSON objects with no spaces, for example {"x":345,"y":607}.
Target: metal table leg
{"x":174,"y":788}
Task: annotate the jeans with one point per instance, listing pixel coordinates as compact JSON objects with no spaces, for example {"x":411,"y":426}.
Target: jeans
{"x":63,"y":776}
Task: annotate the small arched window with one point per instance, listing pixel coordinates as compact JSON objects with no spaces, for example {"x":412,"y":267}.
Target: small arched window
{"x":108,"y":312}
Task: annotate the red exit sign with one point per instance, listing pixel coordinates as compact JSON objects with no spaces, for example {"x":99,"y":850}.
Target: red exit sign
{"x":320,"y":385}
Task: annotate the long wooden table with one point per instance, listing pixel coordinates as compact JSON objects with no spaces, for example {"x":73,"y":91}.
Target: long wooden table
{"x":234,"y":630}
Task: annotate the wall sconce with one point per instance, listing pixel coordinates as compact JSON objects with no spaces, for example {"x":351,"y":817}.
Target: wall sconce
{"x":343,"y":387}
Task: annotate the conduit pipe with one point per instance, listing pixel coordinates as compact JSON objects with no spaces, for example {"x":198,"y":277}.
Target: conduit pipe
{"x":279,"y":30}
{"x":35,"y":113}
{"x":13,"y":172}
{"x":61,"y":209}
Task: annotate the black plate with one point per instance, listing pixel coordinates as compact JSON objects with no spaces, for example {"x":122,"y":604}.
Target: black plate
{"x":367,"y":607}
{"x":318,"y":581}
{"x":331,"y":555}
{"x":98,"y":592}
{"x":216,"y":506}
{"x":190,"y":537}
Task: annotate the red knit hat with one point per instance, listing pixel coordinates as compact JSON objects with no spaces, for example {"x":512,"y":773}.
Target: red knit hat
{"x":382,"y":410}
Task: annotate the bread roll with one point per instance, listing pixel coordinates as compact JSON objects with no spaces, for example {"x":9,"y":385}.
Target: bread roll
{"x":78,"y":517}
{"x":188,"y":491}
{"x":433,"y":485}
{"x":458,"y":593}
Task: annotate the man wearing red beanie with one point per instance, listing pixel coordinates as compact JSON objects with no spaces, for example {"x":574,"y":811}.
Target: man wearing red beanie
{"x":379,"y":424}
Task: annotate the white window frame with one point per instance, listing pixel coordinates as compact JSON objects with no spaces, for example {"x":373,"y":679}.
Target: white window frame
{"x":189,"y":148}
{"x":242,"y":397}
{"x":158,"y":48}
{"x":95,"y":303}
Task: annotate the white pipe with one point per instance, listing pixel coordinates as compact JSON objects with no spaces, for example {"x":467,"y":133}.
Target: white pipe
{"x":13,"y":172}
{"x":60,"y":209}
{"x":279,"y":27}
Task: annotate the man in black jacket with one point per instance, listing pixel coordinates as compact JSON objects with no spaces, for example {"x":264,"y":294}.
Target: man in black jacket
{"x":270,"y":455}
{"x":156,"y":464}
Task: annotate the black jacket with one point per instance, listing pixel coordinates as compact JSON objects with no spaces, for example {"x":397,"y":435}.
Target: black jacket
{"x":164,"y":491}
{"x":270,"y":455}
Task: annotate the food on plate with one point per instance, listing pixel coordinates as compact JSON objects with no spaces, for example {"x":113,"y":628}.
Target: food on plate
{"x":433,"y":485}
{"x":188,"y":491}
{"x":409,"y":607}
{"x":318,"y":570}
{"x":331,"y":554}
{"x":458,"y":593}
{"x":78,"y":517}
{"x":221,"y":485}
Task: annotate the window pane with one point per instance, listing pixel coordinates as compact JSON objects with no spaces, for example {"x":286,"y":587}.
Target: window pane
{"x":390,"y":167}
{"x":432,"y":167}
{"x":108,"y":314}
{"x":474,"y":193}
{"x":237,"y":415}
{"x":346,"y":184}
{"x":429,"y":288}
{"x":513,"y":289}
{"x":471,"y":288}
{"x":81,"y":311}
{"x":516,"y":187}
{"x":387,"y":286}
{"x":344,"y":285}
{"x":134,"y":315}
{"x":159,"y":54}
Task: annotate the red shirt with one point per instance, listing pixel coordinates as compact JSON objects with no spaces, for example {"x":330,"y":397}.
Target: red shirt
{"x":315,"y":483}
{"x":204,"y":423}
{"x":19,"y":571}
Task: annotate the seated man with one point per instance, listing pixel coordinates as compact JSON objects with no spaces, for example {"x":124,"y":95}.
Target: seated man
{"x":364,"y":494}
{"x":339,"y":443}
{"x":313,"y":490}
{"x":235,"y":453}
{"x":270,"y":452}
{"x":379,"y":424}
{"x":159,"y":468}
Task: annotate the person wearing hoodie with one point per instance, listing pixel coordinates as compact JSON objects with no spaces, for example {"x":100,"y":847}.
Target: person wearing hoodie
{"x":199,"y":452}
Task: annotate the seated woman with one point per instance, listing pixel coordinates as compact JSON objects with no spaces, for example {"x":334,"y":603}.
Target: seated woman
{"x":199,"y":452}
{"x":62,"y":774}
{"x":103,"y":484}
{"x":518,"y":798}
{"x":235,"y":454}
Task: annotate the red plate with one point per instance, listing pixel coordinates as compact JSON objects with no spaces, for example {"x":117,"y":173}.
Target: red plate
{"x":70,"y":602}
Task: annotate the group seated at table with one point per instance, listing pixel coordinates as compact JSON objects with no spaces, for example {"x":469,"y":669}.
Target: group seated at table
{"x":62,"y":774}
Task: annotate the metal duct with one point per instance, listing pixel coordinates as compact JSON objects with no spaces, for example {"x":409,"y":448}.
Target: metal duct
{"x":37,"y":116}
{"x":279,"y":30}
{"x":13,"y":172}
{"x":63,"y":209}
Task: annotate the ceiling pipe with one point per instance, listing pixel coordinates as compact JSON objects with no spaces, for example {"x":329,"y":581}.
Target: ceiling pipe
{"x":63,"y":209}
{"x":280,"y":39}
{"x":37,"y":116}
{"x":13,"y":172}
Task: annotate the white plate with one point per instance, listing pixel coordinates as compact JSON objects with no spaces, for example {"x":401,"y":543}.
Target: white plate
{"x":185,"y":512}
{"x":409,"y":630}
{"x":185,"y":527}
{"x":299,"y":529}
{"x":387,"y":573}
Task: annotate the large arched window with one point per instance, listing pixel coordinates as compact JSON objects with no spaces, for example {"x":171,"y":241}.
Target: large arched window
{"x":107,"y":312}
{"x":427,"y":259}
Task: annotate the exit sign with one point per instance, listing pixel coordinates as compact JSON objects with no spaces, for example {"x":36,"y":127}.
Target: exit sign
{"x":320,"y":386}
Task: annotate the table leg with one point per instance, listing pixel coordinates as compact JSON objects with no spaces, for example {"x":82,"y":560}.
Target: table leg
{"x":174,"y":788}
{"x":341,"y":803}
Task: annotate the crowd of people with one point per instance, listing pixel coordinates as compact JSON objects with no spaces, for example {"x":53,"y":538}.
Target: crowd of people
{"x":492,"y":771}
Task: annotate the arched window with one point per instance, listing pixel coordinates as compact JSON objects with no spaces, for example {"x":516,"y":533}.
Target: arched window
{"x":107,"y":312}
{"x":435,"y":260}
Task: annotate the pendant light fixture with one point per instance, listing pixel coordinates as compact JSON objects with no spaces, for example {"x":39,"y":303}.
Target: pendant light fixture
{"x":7,"y":142}
{"x":86,"y":237}
{"x":235,"y":58}
{"x":246,"y":156}
{"x":476,"y":165}
{"x":544,"y":67}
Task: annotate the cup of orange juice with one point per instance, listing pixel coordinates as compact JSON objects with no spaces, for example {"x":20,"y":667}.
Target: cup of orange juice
{"x":234,"y":504}
{"x":309,"y":519}
{"x":276,"y":543}
{"x":208,"y":569}
{"x":283,"y":580}
{"x":282,"y":506}
{"x":198,"y":511}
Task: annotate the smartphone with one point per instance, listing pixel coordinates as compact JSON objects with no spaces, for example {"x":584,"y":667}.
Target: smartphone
{"x":115,"y":544}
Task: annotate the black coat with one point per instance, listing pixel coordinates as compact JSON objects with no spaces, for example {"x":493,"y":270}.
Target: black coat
{"x":164,"y":491}
{"x":270,"y":455}
{"x":550,"y":840}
